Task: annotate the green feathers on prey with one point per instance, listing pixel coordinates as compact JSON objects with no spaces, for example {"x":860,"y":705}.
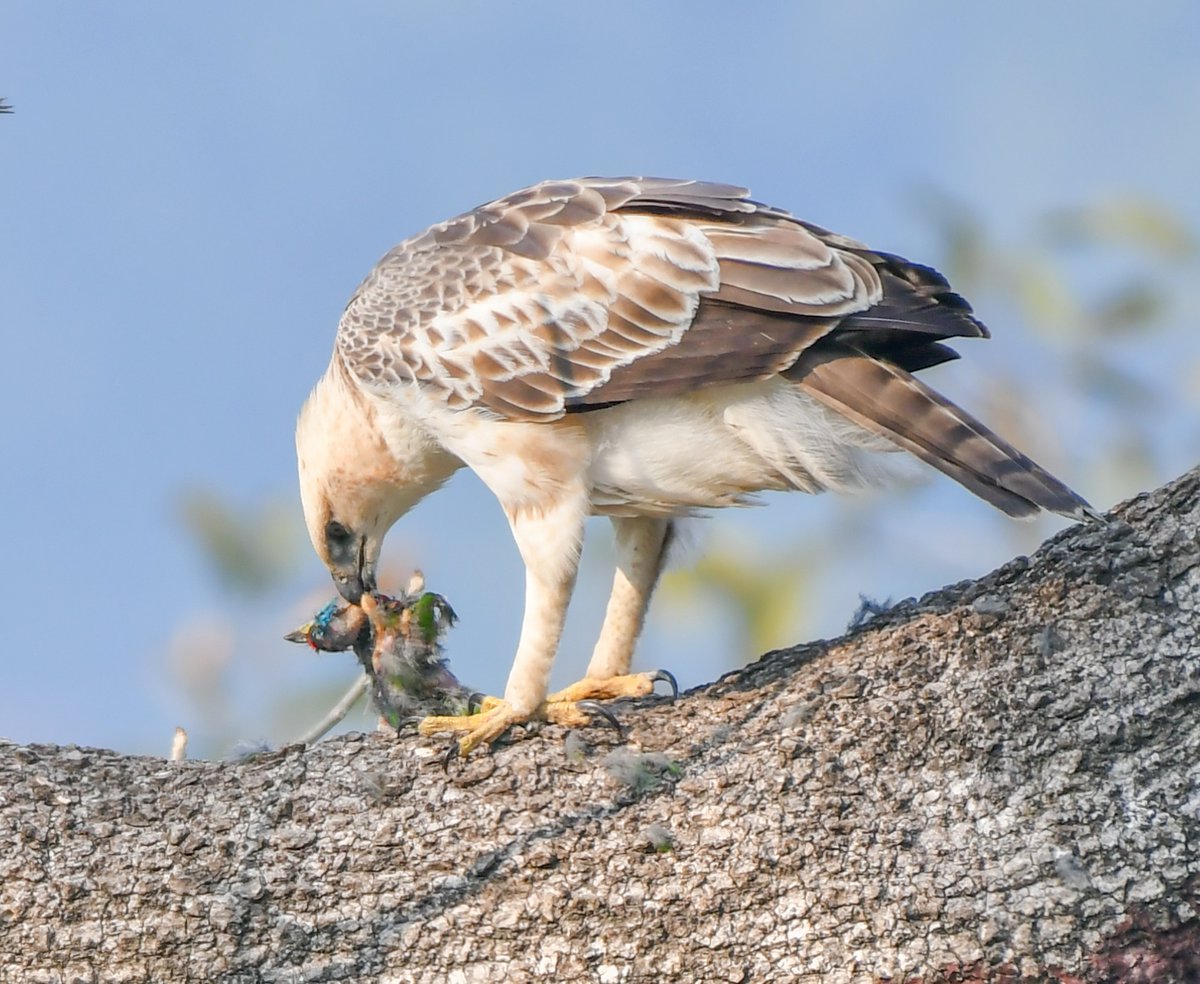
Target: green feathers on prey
{"x":398,"y":642}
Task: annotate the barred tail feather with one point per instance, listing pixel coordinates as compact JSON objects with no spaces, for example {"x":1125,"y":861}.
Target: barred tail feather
{"x":892,"y":402}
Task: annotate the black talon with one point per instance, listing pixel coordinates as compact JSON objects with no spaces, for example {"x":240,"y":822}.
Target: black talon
{"x":475,"y":701}
{"x":669,"y":678}
{"x":451,"y":754}
{"x":593,"y":707}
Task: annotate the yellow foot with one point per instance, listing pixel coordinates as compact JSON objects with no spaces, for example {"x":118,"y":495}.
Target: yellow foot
{"x":630,"y":685}
{"x":572,"y":708}
{"x":496,"y":716}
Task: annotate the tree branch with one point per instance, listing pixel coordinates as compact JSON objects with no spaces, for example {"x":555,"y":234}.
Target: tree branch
{"x":337,"y":712}
{"x":996,"y":782}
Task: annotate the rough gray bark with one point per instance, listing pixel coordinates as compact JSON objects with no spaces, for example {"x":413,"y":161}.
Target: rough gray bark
{"x":997,"y":782}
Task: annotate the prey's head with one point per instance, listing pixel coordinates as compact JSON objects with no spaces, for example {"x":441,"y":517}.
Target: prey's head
{"x":353,"y":483}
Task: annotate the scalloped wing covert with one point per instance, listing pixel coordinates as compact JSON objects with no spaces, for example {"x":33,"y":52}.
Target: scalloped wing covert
{"x":572,"y":295}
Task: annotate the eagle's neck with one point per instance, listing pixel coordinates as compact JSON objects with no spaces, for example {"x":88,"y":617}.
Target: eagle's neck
{"x":374,"y":444}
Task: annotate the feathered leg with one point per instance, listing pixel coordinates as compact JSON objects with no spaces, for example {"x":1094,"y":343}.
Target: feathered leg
{"x":549,"y":538}
{"x":641,"y":544}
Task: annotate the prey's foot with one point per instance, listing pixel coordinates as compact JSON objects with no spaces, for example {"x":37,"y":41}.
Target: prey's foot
{"x":630,"y":685}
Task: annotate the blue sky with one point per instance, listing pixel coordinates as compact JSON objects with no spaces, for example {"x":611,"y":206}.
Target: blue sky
{"x":192,"y":192}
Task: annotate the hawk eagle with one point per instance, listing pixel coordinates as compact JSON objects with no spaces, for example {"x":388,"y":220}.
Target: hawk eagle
{"x":639,"y":348}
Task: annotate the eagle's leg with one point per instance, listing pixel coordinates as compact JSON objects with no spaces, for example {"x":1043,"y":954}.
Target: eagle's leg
{"x":549,"y":538}
{"x":641,"y":544}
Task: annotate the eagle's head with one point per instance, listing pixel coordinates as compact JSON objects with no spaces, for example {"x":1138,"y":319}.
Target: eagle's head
{"x":358,"y":475}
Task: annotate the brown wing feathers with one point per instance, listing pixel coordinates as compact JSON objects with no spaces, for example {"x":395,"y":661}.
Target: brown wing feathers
{"x":725,"y":343}
{"x":778,"y":311}
{"x":784,"y":286}
{"x":644,"y":312}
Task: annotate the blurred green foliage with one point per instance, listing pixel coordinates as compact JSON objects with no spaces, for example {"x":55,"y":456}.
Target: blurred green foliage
{"x":249,"y":550}
{"x":757,"y":588}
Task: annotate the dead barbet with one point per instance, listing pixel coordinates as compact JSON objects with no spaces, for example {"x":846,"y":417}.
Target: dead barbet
{"x":398,"y":641}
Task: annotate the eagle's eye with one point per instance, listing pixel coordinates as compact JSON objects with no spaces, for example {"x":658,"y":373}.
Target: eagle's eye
{"x":336,"y":535}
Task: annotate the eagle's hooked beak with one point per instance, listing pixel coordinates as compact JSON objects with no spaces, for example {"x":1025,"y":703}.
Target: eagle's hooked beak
{"x":352,"y":584}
